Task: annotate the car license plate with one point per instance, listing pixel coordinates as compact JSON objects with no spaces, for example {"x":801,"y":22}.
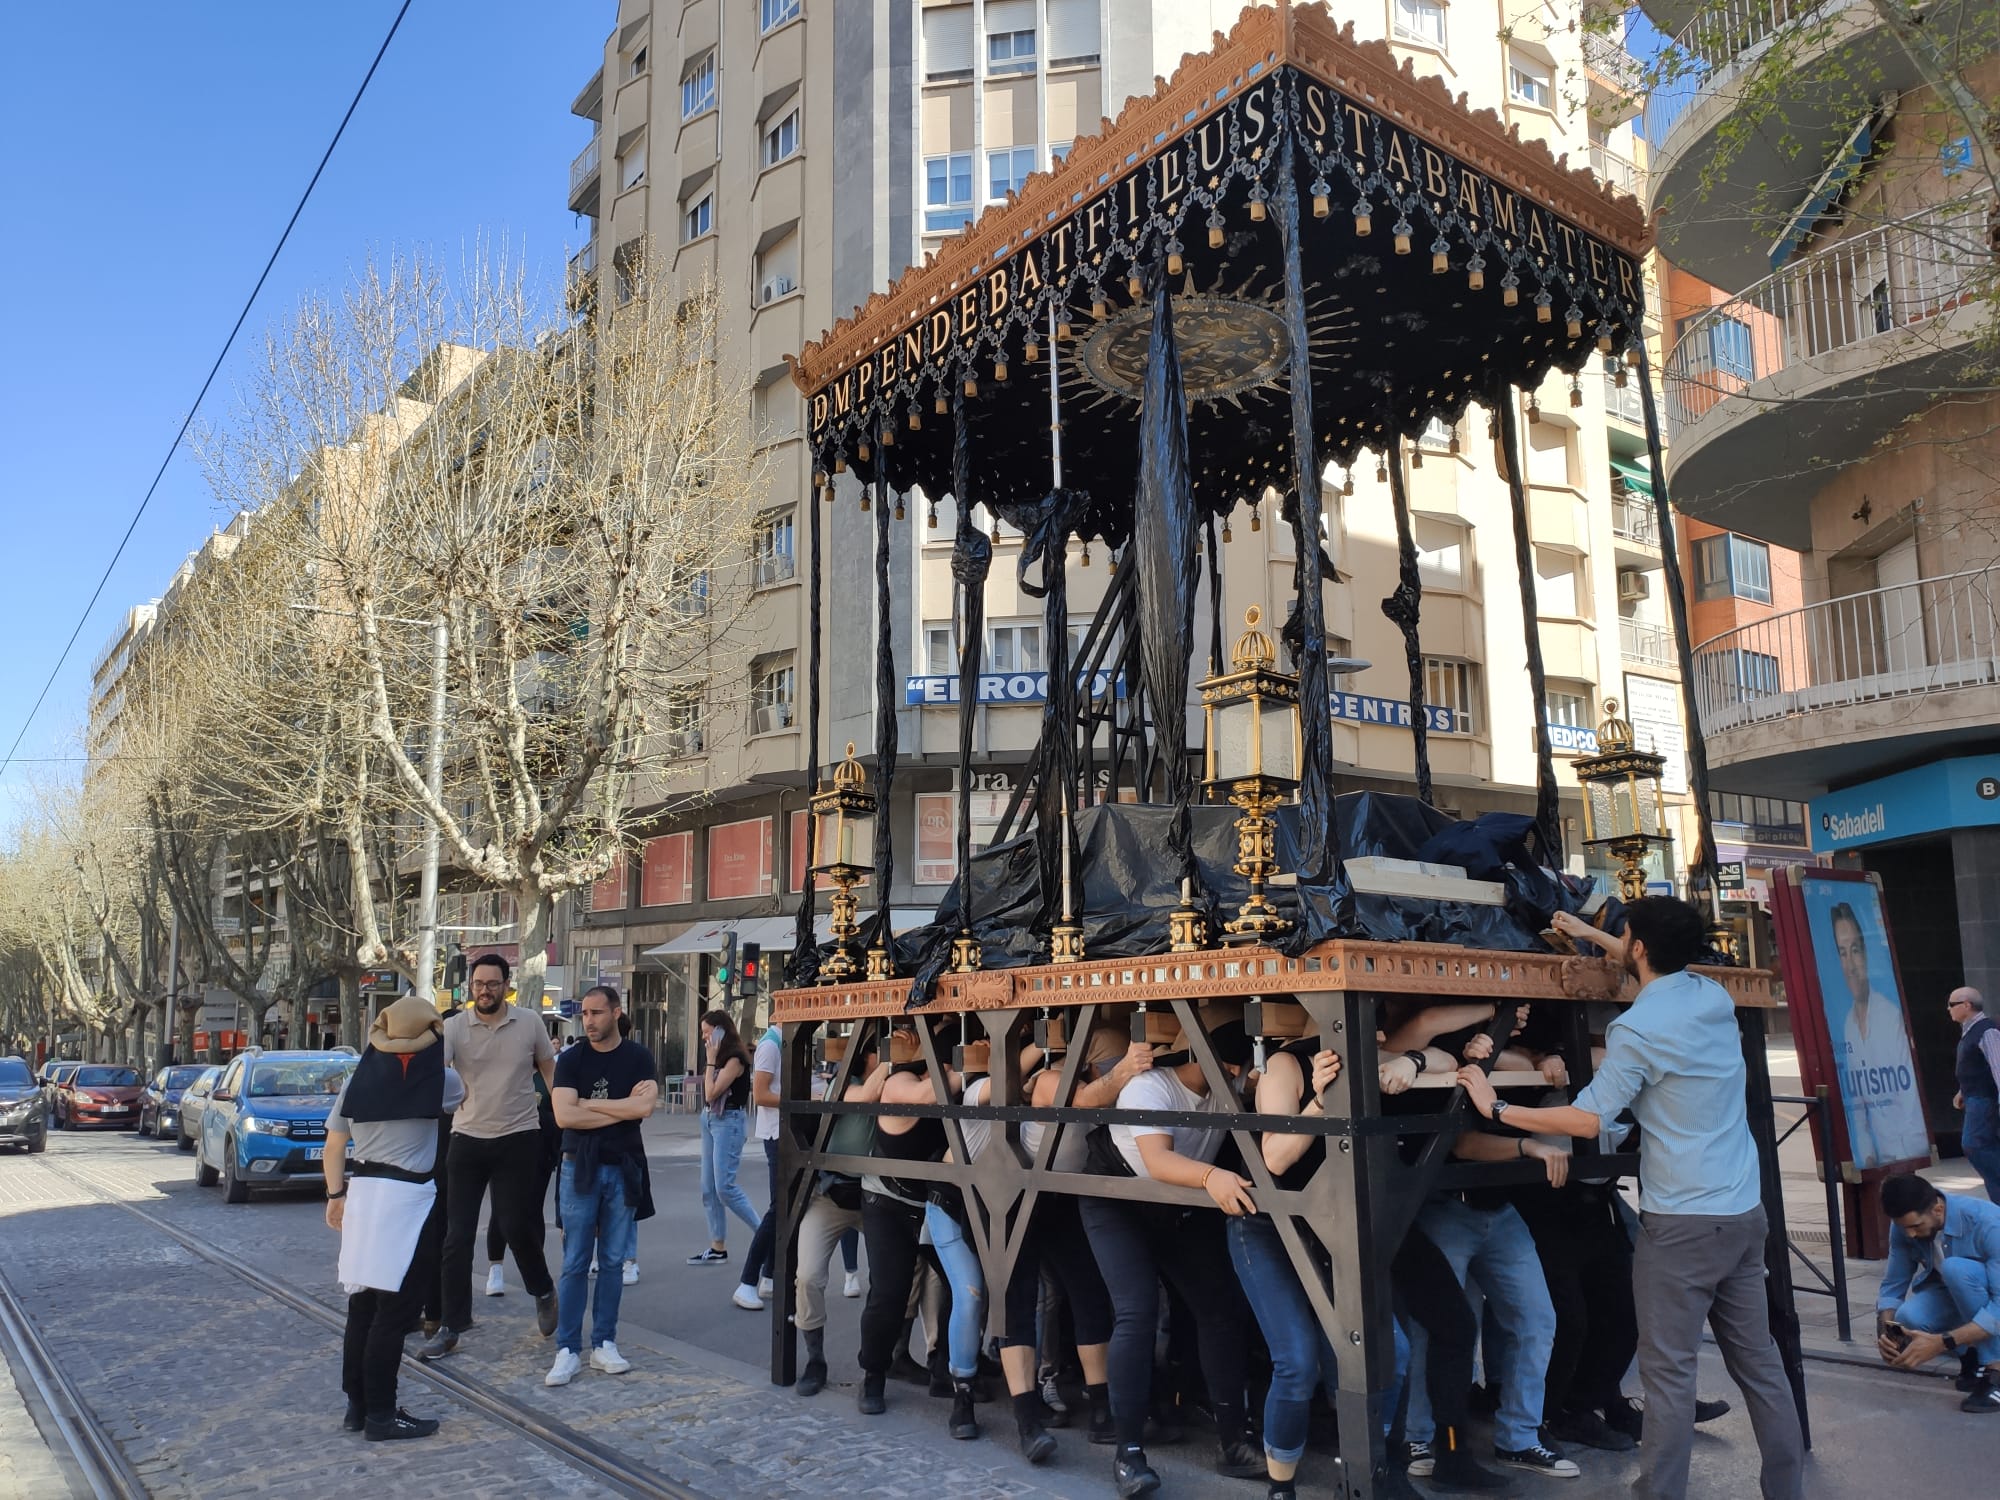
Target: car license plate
{"x":314,"y":1153}
{"x":116,"y":1109}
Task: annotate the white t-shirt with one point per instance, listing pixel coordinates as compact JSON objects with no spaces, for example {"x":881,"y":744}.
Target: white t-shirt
{"x":1878,"y":1085}
{"x":977,"y":1132}
{"x":769,"y":1059}
{"x":1162,"y":1089}
{"x":1071,"y":1148}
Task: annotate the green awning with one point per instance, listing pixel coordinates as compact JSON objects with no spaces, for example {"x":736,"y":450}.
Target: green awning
{"x":1638,"y":477}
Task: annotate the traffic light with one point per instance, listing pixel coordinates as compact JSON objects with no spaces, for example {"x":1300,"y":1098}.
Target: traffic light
{"x":749,"y":969}
{"x":454,"y":970}
{"x":725,"y":966}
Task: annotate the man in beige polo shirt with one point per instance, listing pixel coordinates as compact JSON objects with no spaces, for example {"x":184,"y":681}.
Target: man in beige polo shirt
{"x":496,"y":1139}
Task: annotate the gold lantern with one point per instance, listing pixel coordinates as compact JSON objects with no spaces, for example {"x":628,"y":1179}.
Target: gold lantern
{"x":1252,"y":718}
{"x":1622,"y":812}
{"x":844,"y":815}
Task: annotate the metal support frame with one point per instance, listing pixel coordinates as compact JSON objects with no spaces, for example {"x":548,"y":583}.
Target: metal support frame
{"x":1340,"y":1229}
{"x":1836,"y":1285}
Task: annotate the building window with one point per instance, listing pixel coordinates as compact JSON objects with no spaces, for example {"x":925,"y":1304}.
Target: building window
{"x":1735,"y":677}
{"x":608,"y":892}
{"x":1010,"y":51}
{"x":1731,"y":565}
{"x":1074,"y":39}
{"x":940,"y":650}
{"x":772,"y":550}
{"x":773,"y":686}
{"x":632,"y":167}
{"x":937,"y":838}
{"x":777,"y":12}
{"x":1060,"y":154}
{"x":1437,"y":433}
{"x":1454,"y":687}
{"x":638,"y":64}
{"x":1559,"y":591}
{"x":1767,"y":820}
{"x":1569,"y":706}
{"x":1007,"y":170}
{"x":1528,"y":82}
{"x":1421,"y":21}
{"x":947,"y":192}
{"x":1440,"y":552}
{"x":698,"y":218}
{"x":778,"y":270}
{"x":1014,"y":646}
{"x":782,"y":140}
{"x":947,"y":43}
{"x":680,"y":721}
{"x":666,"y":870}
{"x":1729,"y":348}
{"x":698,"y":89}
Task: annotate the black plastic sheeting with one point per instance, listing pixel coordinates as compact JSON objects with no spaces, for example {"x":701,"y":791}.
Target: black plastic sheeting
{"x":1129,"y":887}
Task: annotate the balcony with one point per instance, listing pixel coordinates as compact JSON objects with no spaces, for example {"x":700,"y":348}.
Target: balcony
{"x":1721,"y":175}
{"x":581,"y":286}
{"x":1606,"y":57}
{"x":1838,"y":690}
{"x":1624,"y":403}
{"x":583,"y":178}
{"x":1618,"y":171}
{"x":1806,"y":370}
{"x":1633,"y":519}
{"x":1647,"y":644}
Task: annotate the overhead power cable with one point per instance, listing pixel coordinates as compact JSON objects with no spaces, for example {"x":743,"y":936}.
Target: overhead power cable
{"x":201,"y":395}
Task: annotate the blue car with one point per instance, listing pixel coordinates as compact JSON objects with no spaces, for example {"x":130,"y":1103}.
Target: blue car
{"x":265,"y":1121}
{"x":160,"y":1102}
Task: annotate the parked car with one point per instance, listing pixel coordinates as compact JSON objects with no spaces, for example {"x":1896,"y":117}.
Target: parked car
{"x":24,"y":1111}
{"x":187,"y":1121}
{"x":265,"y":1121}
{"x":100,"y":1096}
{"x":160,"y":1101}
{"x":51,"y":1078}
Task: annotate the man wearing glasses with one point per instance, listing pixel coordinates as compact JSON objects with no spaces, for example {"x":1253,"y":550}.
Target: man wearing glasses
{"x":496,"y":1139}
{"x":1978,"y":1085}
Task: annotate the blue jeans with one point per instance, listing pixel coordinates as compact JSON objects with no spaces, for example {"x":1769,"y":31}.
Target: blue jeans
{"x":1945,"y":1301}
{"x":968,"y":1290}
{"x":721,"y":1150}
{"x":763,"y":1245}
{"x":1494,"y":1246}
{"x":1981,"y":1143}
{"x":597,"y":1220}
{"x":1301,"y":1357}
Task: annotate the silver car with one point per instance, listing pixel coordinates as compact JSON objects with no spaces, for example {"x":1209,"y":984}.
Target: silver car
{"x":187,"y":1122}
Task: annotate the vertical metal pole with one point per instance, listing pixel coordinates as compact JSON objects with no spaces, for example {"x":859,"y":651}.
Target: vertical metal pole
{"x":427,"y":890}
{"x":1784,"y":1312}
{"x":1829,"y":1173}
{"x":170,"y":1023}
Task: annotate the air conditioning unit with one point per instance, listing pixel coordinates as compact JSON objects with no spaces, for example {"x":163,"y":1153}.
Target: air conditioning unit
{"x":771,"y":718}
{"x":1633,"y":584}
{"x":776,"y":287}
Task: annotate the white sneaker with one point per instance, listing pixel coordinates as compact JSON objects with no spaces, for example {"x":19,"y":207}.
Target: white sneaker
{"x":563,"y":1371}
{"x":606,"y":1357}
{"x":631,"y":1275}
{"x":593,"y":1268}
{"x":496,"y":1281}
{"x":766,"y":1287}
{"x":746,"y":1299}
{"x":852,"y":1286}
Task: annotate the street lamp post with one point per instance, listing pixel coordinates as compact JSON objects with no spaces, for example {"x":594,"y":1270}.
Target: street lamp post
{"x":1622,"y":811}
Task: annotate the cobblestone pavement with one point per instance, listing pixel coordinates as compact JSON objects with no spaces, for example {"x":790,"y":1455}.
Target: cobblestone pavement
{"x":215,"y":1390}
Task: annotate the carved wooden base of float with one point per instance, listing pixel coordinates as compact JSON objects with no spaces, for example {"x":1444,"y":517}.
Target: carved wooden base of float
{"x":1433,"y":969}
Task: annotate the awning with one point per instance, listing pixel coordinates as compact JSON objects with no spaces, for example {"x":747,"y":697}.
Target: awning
{"x":1638,"y":478}
{"x":1845,"y":167}
{"x":774,"y":933}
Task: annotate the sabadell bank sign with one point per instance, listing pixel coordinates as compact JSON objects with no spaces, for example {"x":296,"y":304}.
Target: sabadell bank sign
{"x":1960,"y":793}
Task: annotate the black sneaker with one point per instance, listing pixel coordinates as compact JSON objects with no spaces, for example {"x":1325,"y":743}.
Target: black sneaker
{"x":1240,"y":1460}
{"x":1967,"y":1378}
{"x":1588,"y":1430}
{"x":1708,"y":1411}
{"x":1038,"y":1446}
{"x":401,"y":1426}
{"x":964,"y":1425}
{"x":355,"y":1420}
{"x":1421,"y":1461}
{"x":1985,"y":1397}
{"x":438,"y":1345}
{"x":1132,"y":1475}
{"x":1625,"y":1415}
{"x":1537,"y":1460}
{"x":906,"y":1369}
{"x":709,"y":1257}
{"x":871,"y":1400}
{"x":545,"y":1313}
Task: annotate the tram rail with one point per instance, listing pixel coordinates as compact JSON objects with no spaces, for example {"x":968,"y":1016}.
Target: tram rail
{"x":106,"y":1472}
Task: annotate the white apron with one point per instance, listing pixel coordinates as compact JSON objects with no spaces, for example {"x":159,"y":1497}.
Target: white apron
{"x":379,"y":1231}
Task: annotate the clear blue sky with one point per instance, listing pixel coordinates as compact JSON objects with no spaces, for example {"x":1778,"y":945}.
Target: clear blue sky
{"x":152,"y":154}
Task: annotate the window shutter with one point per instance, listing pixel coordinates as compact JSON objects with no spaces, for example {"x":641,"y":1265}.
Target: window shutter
{"x":1011,"y":15}
{"x":948,"y":40}
{"x":1072,"y":30}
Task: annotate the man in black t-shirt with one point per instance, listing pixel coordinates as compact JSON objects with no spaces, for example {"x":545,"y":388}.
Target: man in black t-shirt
{"x":603,"y":1090}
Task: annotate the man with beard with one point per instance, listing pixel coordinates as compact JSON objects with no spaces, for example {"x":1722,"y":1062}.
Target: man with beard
{"x":1674,"y":1058}
{"x":496,"y":1139}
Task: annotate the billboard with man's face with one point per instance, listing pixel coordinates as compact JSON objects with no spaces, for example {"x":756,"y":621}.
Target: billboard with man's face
{"x":1866,"y":1030}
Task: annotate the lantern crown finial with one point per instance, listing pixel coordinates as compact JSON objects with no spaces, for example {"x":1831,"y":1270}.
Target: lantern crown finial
{"x":1614,"y":734}
{"x":849,"y":773}
{"x":1254,"y":650}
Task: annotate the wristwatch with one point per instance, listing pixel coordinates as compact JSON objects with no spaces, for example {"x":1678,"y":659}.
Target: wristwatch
{"x":1418,"y":1056}
{"x":1950,"y":1344}
{"x":1499,"y":1109}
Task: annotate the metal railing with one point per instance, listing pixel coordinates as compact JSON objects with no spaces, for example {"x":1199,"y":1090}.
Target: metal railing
{"x":1641,"y":641}
{"x":1633,"y":518}
{"x":1605,"y":55}
{"x":1624,"y":403}
{"x":1714,"y":47}
{"x":1886,"y":280}
{"x":1620,"y":172}
{"x":585,"y":166}
{"x":1834,"y":1286}
{"x":1933,"y":635}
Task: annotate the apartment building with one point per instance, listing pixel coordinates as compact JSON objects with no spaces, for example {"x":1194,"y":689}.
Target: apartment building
{"x":802,"y":155}
{"x":1829,"y":389}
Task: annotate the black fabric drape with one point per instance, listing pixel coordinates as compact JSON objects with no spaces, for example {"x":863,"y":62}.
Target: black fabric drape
{"x":1548,"y":814}
{"x":1163,"y":537}
{"x":971,"y":558}
{"x":1405,"y":608}
{"x":1702,"y":876}
{"x":885,"y":705}
{"x":1318,"y":854}
{"x":804,"y":967}
{"x":1045,"y":547}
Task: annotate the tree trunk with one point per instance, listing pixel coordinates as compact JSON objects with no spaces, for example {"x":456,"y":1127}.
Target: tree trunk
{"x":531,"y":973}
{"x":165,"y":1022}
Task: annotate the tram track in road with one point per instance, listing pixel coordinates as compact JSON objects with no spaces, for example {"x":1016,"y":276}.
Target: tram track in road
{"x":603,"y":1463}
{"x":105,"y":1471}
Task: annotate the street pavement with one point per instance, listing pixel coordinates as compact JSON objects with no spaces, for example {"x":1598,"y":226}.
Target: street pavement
{"x":213,"y":1389}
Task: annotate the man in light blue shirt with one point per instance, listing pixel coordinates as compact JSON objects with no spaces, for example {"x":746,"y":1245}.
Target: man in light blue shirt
{"x":1674,"y":1059}
{"x":1940,"y":1292}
